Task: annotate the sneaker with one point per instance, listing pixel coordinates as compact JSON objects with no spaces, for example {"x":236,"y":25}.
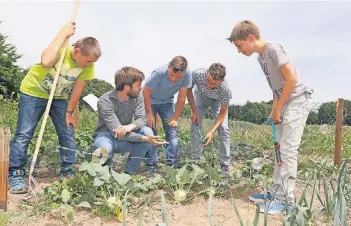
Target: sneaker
{"x":67,"y":174}
{"x":259,"y":198}
{"x":16,"y":182}
{"x":151,"y":170}
{"x":224,"y":170}
{"x":274,"y":207}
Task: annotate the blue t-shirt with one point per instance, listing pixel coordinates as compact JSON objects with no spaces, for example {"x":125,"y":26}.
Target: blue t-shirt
{"x":163,"y":89}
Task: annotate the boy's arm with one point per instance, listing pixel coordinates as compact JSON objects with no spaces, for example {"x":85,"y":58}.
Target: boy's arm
{"x":289,"y":75}
{"x":150,"y":83}
{"x":139,"y":115}
{"x":77,"y":91}
{"x":195,"y":114}
{"x":179,"y":106}
{"x":273,"y":105}
{"x":182,"y":94}
{"x":50,"y":56}
{"x":219,"y":120}
{"x":190,"y":97}
{"x":281,"y":59}
{"x":148,"y":109}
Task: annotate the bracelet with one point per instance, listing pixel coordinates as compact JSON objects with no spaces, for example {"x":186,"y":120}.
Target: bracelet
{"x":71,"y":112}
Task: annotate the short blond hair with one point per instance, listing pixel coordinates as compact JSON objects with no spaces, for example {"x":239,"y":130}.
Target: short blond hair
{"x":243,"y":29}
{"x":88,"y":45}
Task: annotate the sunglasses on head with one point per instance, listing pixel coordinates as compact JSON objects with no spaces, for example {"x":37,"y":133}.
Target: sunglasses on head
{"x":176,"y":70}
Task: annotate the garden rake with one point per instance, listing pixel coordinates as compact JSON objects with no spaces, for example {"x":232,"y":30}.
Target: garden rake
{"x":47,"y":110}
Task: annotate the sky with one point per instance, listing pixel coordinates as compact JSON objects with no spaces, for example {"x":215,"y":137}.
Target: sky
{"x":148,"y":34}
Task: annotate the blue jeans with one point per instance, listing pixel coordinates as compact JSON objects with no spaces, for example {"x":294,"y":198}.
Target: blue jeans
{"x":165,"y":112}
{"x":137,"y":150}
{"x":30,"y":110}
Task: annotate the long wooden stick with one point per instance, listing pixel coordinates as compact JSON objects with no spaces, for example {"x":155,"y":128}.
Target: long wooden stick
{"x":46,"y":114}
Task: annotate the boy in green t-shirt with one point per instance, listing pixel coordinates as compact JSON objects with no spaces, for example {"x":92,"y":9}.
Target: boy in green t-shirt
{"x":77,"y":68}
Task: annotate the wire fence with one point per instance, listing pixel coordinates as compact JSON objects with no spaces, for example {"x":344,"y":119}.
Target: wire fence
{"x":318,"y":141}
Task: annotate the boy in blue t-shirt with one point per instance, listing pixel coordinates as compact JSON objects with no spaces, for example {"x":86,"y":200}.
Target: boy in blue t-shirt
{"x":158,"y":92}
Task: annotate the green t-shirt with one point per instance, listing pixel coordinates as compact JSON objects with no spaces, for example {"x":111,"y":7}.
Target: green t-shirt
{"x":38,"y":81}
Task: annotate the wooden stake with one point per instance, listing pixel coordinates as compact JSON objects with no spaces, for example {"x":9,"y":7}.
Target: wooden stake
{"x":338,"y":131}
{"x":4,"y":165}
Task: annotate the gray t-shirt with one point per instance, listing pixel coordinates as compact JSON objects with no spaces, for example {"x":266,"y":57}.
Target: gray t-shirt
{"x":221,"y":92}
{"x":273,"y":58}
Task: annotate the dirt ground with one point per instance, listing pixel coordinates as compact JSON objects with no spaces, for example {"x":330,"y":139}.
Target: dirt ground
{"x":191,"y":214}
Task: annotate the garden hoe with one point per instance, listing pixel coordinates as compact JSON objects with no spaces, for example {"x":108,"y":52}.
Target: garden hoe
{"x":276,"y":143}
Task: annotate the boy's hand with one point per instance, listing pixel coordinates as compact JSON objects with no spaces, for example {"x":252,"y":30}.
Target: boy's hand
{"x":195,"y":118}
{"x":275,"y":115}
{"x":71,"y":120}
{"x":208,"y":138}
{"x":154,"y":140}
{"x":121,"y":131}
{"x":151,"y":120}
{"x":173,"y":121}
{"x":69,"y":29}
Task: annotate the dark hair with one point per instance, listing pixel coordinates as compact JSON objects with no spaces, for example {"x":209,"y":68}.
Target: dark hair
{"x":127,"y":76}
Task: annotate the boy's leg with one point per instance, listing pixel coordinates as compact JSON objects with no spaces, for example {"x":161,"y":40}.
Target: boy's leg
{"x":224,"y":139}
{"x":166,"y":111}
{"x":30,"y":110}
{"x":138,"y":151}
{"x":290,"y":130}
{"x":65,"y":135}
{"x":196,"y":147}
{"x":107,"y":141}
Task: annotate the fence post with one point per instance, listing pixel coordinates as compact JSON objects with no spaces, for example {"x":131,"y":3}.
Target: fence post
{"x":4,"y":165}
{"x":338,"y":131}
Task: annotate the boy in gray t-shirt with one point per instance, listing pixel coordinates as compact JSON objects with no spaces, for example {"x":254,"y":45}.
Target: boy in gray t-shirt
{"x":211,"y":90}
{"x":290,"y":108}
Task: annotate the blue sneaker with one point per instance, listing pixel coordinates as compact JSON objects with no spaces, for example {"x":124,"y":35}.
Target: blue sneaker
{"x":67,"y":174}
{"x":274,"y":207}
{"x":151,"y":170}
{"x":16,"y":182}
{"x":259,"y":198}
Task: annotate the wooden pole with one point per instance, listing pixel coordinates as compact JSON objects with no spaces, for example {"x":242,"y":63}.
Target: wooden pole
{"x":4,"y":165}
{"x":338,"y":131}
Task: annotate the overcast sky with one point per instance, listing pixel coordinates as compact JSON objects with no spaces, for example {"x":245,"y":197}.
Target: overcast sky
{"x":146,"y":35}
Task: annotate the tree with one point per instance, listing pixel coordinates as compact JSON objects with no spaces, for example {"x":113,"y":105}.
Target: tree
{"x":255,"y":112}
{"x":10,"y":73}
{"x":312,"y":118}
{"x":327,"y":113}
{"x":97,"y":87}
{"x":235,"y":112}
